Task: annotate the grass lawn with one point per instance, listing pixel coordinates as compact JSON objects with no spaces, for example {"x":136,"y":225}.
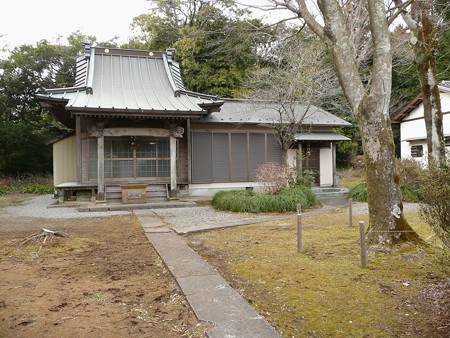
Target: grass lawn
{"x":323,"y":292}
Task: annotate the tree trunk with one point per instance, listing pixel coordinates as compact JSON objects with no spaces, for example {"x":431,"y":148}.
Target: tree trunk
{"x":424,"y":44}
{"x":424,"y":54}
{"x":387,"y":225}
{"x":370,"y":106}
{"x":369,"y":99}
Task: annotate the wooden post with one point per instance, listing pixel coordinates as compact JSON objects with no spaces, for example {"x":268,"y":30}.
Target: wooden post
{"x":362,"y":239}
{"x":189,"y":149}
{"x":101,"y":169}
{"x":79,"y":147}
{"x":350,"y":211}
{"x":173,"y":167}
{"x":299,"y":228}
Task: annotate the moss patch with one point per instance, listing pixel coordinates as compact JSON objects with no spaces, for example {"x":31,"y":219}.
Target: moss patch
{"x":323,"y":291}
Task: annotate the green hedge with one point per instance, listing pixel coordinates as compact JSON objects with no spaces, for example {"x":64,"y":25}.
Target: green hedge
{"x":410,"y":193}
{"x":249,"y":201}
{"x":40,"y":189}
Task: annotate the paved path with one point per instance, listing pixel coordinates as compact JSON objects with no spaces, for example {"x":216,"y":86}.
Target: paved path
{"x":212,"y":299}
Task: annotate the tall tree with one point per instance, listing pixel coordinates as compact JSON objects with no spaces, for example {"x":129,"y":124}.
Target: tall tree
{"x":24,"y":125}
{"x":216,"y":46}
{"x":423,"y":20}
{"x":295,"y":76}
{"x":368,"y":91}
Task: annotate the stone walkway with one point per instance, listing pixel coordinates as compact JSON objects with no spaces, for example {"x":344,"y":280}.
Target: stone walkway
{"x":212,"y":299}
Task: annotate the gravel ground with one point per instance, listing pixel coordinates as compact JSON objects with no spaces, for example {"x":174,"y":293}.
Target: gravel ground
{"x":177,"y":217}
{"x":190,"y":217}
{"x":37,"y":207}
{"x":362,"y":208}
{"x":187,"y":217}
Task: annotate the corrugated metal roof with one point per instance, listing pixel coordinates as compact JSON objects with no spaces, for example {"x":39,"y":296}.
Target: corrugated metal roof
{"x":321,"y":137}
{"x":126,"y":81}
{"x":252,"y":112}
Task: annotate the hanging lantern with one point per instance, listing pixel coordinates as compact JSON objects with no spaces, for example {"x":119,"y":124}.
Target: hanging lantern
{"x":308,"y":150}
{"x":133,"y":142}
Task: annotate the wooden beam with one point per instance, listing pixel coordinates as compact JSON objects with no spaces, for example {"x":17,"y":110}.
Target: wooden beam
{"x":152,"y":132}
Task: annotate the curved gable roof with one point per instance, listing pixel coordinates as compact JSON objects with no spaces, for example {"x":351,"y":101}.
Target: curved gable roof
{"x":120,"y":82}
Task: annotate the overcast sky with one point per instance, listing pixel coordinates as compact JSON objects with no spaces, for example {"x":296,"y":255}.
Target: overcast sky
{"x":28,"y":21}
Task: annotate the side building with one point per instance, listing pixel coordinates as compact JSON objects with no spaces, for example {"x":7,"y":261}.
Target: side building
{"x":136,"y":129}
{"x":413,"y":134}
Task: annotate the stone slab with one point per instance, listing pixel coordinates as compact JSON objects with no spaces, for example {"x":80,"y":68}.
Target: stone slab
{"x":178,"y":256}
{"x":231,"y":314}
{"x":212,"y":299}
{"x":193,"y":285}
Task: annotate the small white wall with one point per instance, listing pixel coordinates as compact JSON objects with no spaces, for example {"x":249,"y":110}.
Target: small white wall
{"x":412,"y":130}
{"x":326,"y":167}
{"x":413,"y":127}
{"x":65,"y":161}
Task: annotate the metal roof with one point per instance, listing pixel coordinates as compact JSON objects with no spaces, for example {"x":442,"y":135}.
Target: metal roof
{"x":125,"y":82}
{"x":257,"y":112}
{"x":330,"y":136}
{"x":405,"y":110}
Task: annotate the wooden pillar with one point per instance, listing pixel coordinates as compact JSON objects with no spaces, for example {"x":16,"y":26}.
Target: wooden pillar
{"x":189,"y":149}
{"x":173,"y":167}
{"x":101,"y":169}
{"x":299,"y":157}
{"x":333,"y":151}
{"x":79,"y":146}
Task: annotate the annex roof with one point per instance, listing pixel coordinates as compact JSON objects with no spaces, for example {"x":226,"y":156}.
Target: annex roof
{"x":414,"y":103}
{"x":266,"y":113}
{"x":329,"y":136}
{"x":121,"y":82}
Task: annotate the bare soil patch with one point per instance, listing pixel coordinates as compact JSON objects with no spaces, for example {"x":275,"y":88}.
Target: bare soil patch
{"x":104,"y":281}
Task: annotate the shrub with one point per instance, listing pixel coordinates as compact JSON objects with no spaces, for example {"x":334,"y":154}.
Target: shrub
{"x":358,"y":193}
{"x":4,"y":190}
{"x":40,"y":189}
{"x":274,"y":176}
{"x":248,"y":201}
{"x":435,"y":196}
{"x":410,"y":192}
{"x":409,"y":171}
{"x":306,"y":178}
{"x":27,"y":185}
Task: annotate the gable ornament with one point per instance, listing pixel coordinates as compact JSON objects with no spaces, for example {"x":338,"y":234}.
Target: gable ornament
{"x":177,"y":132}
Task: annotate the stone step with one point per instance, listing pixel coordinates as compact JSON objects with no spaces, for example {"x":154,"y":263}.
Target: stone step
{"x":325,"y":192}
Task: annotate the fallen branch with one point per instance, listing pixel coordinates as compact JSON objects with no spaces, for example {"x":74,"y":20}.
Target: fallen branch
{"x":42,"y":236}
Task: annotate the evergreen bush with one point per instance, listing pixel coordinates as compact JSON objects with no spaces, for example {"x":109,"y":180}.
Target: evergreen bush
{"x":285,"y":200}
{"x":409,"y":192}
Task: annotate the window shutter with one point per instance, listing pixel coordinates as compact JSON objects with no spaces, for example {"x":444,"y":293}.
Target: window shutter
{"x":201,"y":157}
{"x":220,"y":158}
{"x":274,"y":153}
{"x":239,"y":158}
{"x":257,"y":153}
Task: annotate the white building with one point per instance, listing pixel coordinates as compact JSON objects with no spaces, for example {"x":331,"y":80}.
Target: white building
{"x":413,"y":143}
